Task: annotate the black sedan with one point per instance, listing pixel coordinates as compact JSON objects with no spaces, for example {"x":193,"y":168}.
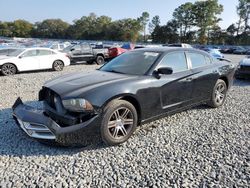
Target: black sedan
{"x":134,"y":88}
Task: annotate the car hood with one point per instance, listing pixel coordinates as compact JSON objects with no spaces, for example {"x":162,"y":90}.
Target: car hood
{"x":5,"y":57}
{"x":73,"y":85}
{"x":245,"y":61}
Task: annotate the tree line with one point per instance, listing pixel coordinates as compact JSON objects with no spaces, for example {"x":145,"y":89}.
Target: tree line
{"x":191,"y":23}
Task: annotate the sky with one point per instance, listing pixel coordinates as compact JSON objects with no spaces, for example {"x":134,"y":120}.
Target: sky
{"x":38,"y":10}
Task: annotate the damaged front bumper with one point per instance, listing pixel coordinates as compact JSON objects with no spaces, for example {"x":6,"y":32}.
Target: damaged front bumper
{"x":36,"y":124}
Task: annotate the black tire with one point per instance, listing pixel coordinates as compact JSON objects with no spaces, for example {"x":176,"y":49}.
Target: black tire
{"x":8,"y":69}
{"x":219,"y":94}
{"x":90,"y":62}
{"x":100,"y":60}
{"x":119,"y":122}
{"x":58,"y":65}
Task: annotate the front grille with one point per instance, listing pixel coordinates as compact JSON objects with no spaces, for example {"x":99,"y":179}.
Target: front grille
{"x":245,"y":68}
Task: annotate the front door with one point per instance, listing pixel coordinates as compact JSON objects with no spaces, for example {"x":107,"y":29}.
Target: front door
{"x":28,"y":61}
{"x":176,"y":89}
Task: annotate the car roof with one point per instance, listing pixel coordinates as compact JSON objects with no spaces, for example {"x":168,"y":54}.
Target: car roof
{"x":169,"y":49}
{"x":38,"y":48}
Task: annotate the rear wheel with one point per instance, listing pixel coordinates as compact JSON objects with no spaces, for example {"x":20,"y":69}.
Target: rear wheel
{"x":119,"y":122}
{"x":219,"y":94}
{"x":8,"y":69}
{"x":58,"y":65}
{"x":100,"y":60}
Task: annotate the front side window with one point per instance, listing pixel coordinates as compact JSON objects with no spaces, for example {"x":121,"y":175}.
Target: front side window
{"x":208,"y":60}
{"x":177,"y":61}
{"x":85,"y":47}
{"x":76,"y":48}
{"x":134,"y":63}
{"x":197,"y":60}
{"x":30,"y":53}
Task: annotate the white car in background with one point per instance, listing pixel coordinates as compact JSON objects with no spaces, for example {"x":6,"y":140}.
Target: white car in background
{"x":33,"y":59}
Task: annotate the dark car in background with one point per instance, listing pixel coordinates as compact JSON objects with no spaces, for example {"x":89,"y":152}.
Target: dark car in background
{"x":85,"y":52}
{"x":243,"y":69}
{"x":240,"y":50}
{"x":136,"y":87}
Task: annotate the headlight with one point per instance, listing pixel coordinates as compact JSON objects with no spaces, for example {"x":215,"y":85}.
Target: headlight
{"x":77,"y":105}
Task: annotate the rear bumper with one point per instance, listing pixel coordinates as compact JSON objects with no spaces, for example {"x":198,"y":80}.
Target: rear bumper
{"x":36,"y":124}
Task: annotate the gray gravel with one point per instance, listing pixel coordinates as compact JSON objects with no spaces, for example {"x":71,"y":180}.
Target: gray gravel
{"x":201,"y":147}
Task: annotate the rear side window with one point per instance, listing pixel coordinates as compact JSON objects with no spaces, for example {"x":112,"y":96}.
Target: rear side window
{"x":44,"y":52}
{"x":197,"y":60}
{"x":176,"y":61}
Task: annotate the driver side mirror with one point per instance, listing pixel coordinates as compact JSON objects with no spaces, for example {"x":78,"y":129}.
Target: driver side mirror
{"x":20,"y":57}
{"x":72,"y":49}
{"x":165,"y":70}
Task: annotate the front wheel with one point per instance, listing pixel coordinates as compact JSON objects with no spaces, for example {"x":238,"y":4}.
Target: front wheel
{"x":219,"y":94}
{"x":57,"y":65}
{"x":119,"y":122}
{"x":8,"y":69}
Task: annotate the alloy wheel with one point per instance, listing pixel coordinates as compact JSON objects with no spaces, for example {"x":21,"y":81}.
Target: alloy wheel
{"x":8,"y":69}
{"x":58,"y":65}
{"x":120,"y":123}
{"x":220,"y":93}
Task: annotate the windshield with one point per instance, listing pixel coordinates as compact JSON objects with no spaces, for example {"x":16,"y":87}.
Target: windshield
{"x":134,"y":63}
{"x":16,"y":52}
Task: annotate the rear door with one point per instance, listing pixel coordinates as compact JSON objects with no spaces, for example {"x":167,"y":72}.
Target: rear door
{"x":205,"y":75}
{"x":28,"y":61}
{"x":46,"y":58}
{"x":176,"y":89}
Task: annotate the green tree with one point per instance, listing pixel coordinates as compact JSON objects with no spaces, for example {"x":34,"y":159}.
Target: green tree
{"x":184,"y":16}
{"x":125,"y":30}
{"x":243,"y":11}
{"x":6,"y":29}
{"x":167,"y":33}
{"x":21,"y":28}
{"x":144,"y":19}
{"x":154,"y":22}
{"x":205,"y":17}
{"x":90,"y":27}
{"x":51,"y":28}
{"x":216,"y":35}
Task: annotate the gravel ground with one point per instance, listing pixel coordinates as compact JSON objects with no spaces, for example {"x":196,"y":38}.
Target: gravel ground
{"x":201,"y":147}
